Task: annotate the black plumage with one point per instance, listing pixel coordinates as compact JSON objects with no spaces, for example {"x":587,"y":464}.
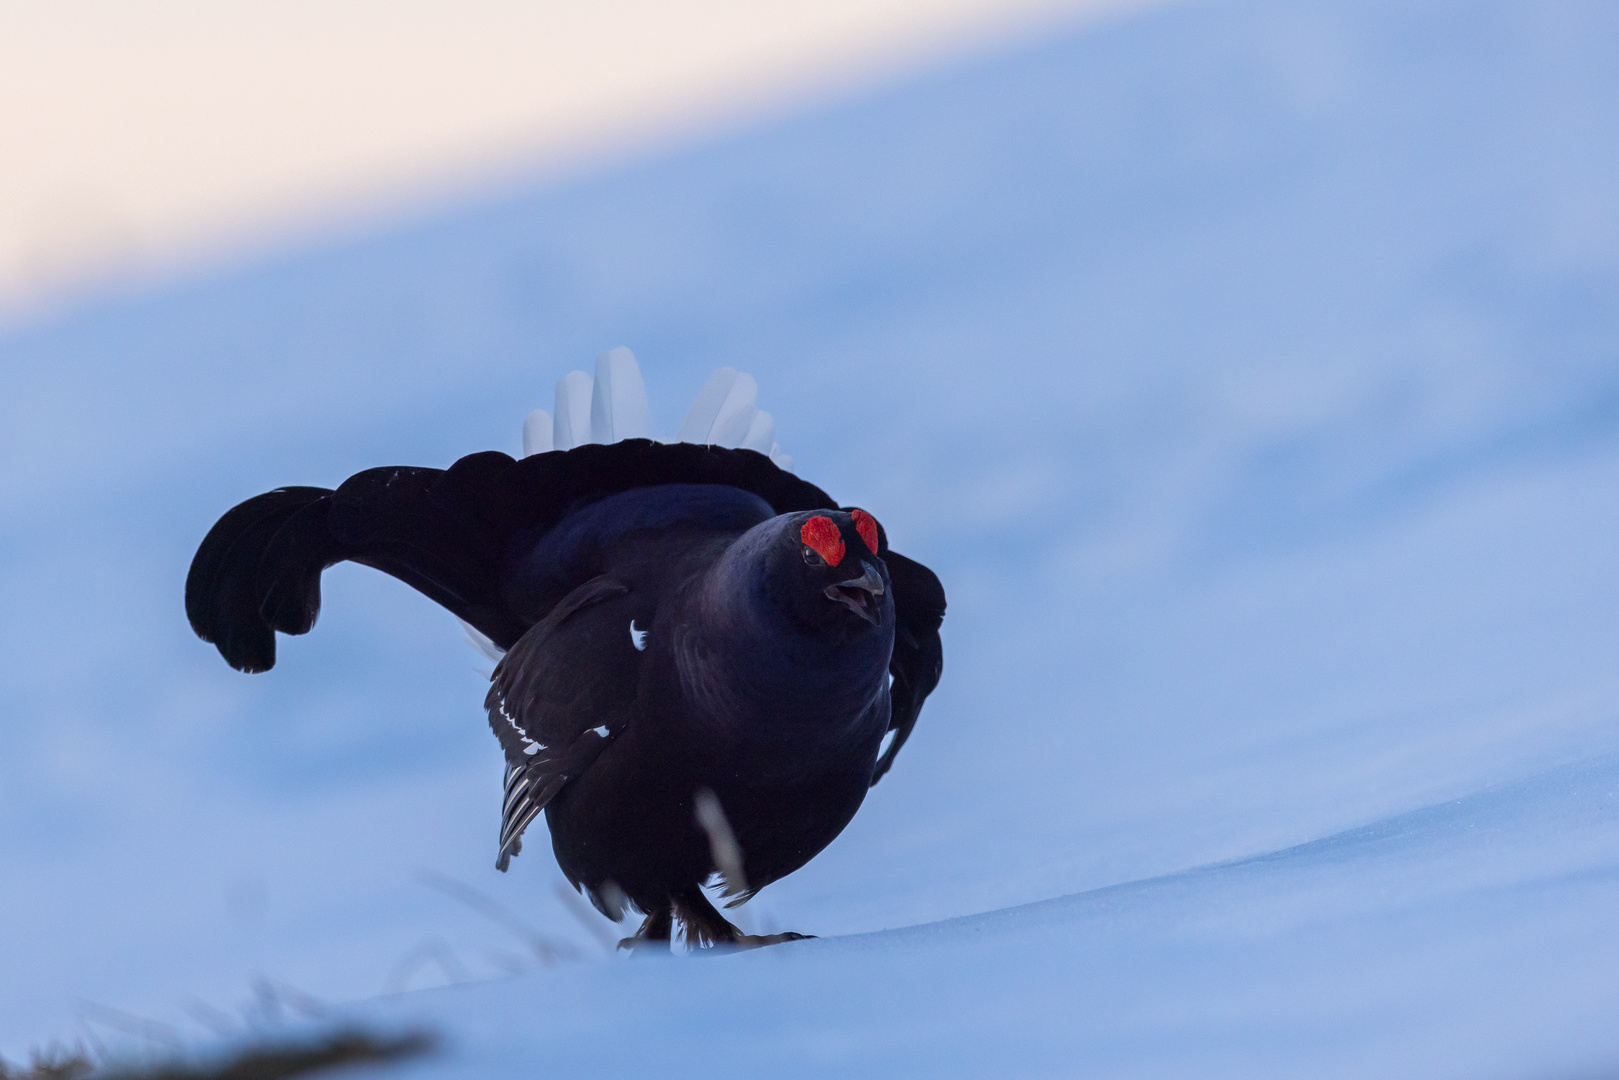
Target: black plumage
{"x":703,"y":653}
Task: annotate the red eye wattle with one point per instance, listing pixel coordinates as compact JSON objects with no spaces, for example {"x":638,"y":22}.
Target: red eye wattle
{"x":866,"y":526}
{"x":822,"y":535}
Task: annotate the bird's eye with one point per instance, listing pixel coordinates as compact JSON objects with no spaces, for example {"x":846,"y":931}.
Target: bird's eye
{"x":820,"y":534}
{"x":813,"y":558}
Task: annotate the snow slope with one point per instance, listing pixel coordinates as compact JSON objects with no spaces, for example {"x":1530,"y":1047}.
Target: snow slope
{"x":1464,"y":939}
{"x":1249,"y":372}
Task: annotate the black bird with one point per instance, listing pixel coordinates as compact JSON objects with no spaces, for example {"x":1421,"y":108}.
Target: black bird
{"x":703,"y":653}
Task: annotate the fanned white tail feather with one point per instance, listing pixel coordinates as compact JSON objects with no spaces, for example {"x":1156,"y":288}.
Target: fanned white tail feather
{"x":724,"y":410}
{"x":699,"y":423}
{"x":761,"y":434}
{"x":537,"y":433}
{"x":618,"y":405}
{"x":726,"y":413}
{"x":571,"y":427}
{"x":613,"y":406}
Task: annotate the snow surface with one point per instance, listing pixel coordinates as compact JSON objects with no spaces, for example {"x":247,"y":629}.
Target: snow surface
{"x":1249,"y":372}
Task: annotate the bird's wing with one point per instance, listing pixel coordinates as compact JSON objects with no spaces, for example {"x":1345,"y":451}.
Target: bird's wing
{"x":918,"y":658}
{"x":558,"y":696}
{"x":450,"y":534}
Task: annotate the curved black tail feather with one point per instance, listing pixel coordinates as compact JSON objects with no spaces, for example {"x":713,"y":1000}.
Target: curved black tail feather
{"x":222,"y":597}
{"x":445,"y":532}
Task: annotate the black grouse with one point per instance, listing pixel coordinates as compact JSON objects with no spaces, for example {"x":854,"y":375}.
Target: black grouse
{"x":703,"y":653}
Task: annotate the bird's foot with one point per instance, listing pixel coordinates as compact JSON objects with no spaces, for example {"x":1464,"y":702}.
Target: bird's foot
{"x":636,"y":945}
{"x":709,"y":931}
{"x":653,"y":936}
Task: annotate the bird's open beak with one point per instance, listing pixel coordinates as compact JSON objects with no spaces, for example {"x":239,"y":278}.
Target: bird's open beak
{"x":860,"y":594}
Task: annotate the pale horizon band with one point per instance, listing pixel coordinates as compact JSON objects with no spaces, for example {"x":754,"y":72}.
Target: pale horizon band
{"x":151,"y":137}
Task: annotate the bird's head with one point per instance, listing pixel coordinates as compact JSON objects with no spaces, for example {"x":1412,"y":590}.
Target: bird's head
{"x":826,"y":569}
{"x":820,"y":571}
